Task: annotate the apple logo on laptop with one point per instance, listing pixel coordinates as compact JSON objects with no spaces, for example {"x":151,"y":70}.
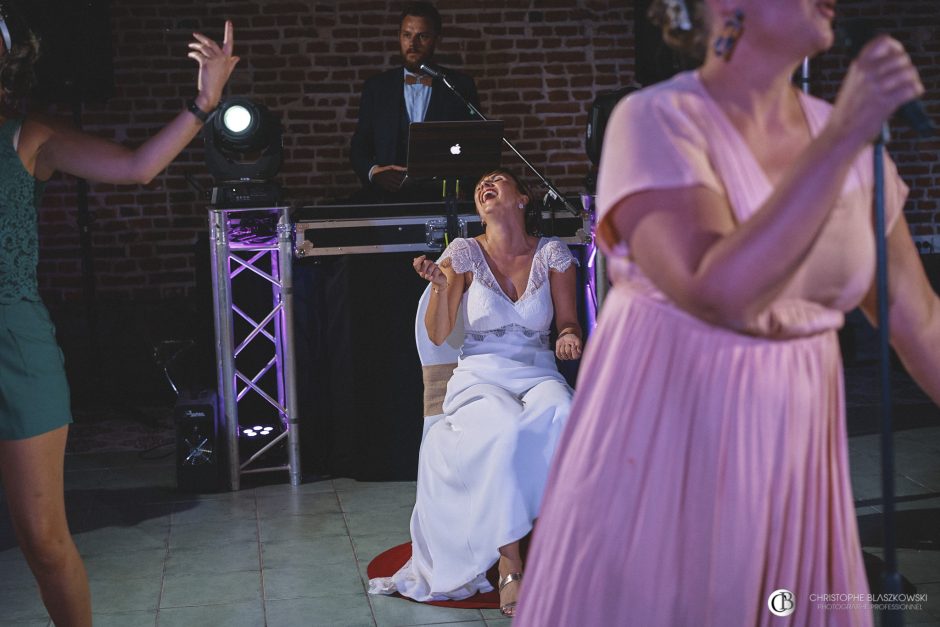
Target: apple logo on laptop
{"x":455,"y":149}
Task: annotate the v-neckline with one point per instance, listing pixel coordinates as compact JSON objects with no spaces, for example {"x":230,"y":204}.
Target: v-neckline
{"x":738,"y":138}
{"x":499,"y":287}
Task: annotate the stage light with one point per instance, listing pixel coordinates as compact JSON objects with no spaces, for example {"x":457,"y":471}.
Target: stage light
{"x":253,"y":432}
{"x":243,"y":154}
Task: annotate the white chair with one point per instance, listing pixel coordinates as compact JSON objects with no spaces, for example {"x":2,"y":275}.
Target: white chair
{"x":437,"y":362}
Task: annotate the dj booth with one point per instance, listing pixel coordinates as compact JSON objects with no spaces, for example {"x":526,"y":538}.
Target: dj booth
{"x":345,"y":380}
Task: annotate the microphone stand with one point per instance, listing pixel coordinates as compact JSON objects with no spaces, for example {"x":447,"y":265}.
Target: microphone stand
{"x":552,"y":190}
{"x":890,"y":577}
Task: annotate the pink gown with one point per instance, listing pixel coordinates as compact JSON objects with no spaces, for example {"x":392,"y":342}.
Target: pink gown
{"x":701,"y":469}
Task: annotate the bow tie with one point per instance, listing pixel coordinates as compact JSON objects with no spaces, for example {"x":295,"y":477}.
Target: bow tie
{"x":423,"y":79}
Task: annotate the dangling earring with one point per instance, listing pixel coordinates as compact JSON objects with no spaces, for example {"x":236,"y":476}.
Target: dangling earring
{"x":730,"y":34}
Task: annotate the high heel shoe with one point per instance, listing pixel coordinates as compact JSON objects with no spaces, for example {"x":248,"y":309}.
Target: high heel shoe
{"x":509,"y":609}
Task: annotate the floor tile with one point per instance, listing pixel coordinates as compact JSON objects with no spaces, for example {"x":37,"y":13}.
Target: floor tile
{"x":302,"y":527}
{"x":224,"y":558}
{"x":301,"y":554}
{"x":379,"y":498}
{"x":15,"y":572}
{"x":312,"y":581}
{"x":392,"y":611}
{"x":125,"y":619}
{"x":146,"y":564}
{"x":22,"y":603}
{"x":378,"y":522}
{"x":119,"y":595}
{"x":338,"y":611}
{"x":107,"y":540}
{"x":210,"y":589}
{"x":239,"y":614}
{"x":201,"y":535}
{"x":214,"y":510}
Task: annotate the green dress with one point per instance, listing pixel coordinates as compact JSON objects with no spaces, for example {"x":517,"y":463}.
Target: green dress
{"x":34,"y":394}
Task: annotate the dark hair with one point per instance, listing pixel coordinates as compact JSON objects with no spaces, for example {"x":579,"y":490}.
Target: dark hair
{"x":18,"y":67}
{"x":425,"y":10}
{"x":533,"y":208}
{"x":683,"y":24}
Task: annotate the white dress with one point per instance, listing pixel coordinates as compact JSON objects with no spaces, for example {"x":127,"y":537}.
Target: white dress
{"x":482,"y":468}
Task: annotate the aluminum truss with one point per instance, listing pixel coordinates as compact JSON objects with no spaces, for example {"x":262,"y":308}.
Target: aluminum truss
{"x":255,"y":347}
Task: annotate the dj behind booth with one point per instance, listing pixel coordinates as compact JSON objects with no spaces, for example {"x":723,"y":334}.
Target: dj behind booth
{"x":359,"y":377}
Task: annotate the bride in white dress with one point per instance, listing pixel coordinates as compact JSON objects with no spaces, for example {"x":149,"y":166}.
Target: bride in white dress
{"x":482,"y":468}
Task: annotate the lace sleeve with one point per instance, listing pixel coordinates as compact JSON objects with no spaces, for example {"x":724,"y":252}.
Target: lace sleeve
{"x":459,"y":254}
{"x":557,"y":255}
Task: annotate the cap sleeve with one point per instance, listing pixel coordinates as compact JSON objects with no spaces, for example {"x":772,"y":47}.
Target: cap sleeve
{"x":460,"y":255}
{"x":557,"y":255}
{"x":655,"y":139}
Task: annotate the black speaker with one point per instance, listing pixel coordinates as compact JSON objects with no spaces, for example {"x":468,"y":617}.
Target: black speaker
{"x":655,"y":61}
{"x":597,"y":121}
{"x":76,"y":58}
{"x":199,"y":459}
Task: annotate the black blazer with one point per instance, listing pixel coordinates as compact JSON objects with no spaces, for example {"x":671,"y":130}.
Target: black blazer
{"x":381,"y":136}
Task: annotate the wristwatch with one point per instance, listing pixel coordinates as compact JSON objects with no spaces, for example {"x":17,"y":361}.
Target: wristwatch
{"x":195,"y":110}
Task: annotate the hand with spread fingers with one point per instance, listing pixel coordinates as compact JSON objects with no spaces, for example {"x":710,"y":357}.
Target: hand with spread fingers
{"x":215,"y":65}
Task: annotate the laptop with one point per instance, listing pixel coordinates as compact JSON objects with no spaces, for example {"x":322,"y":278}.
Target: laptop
{"x":467,"y":149}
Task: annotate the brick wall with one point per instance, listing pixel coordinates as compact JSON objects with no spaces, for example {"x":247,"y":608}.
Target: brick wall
{"x":538,"y":66}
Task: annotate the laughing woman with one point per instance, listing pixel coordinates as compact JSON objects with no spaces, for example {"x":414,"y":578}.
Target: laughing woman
{"x":482,"y":468}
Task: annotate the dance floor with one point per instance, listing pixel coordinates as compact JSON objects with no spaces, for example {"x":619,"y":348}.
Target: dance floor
{"x":280,"y":556}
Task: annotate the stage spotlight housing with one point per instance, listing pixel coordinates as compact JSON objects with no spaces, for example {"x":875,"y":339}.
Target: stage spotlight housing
{"x":243,"y":142}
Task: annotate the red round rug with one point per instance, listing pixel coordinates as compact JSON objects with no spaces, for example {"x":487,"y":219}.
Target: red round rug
{"x":387,"y":564}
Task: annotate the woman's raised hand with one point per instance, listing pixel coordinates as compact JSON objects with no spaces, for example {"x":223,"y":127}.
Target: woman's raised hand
{"x":215,"y":66}
{"x":879,"y":81}
{"x":429,"y":271}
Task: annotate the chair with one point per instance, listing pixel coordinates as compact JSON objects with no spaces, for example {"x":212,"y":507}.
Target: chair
{"x":437,"y":362}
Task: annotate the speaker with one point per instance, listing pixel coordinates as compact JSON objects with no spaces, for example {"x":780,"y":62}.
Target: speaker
{"x":597,"y":121}
{"x":199,"y":466}
{"x":76,"y":58}
{"x":655,"y":61}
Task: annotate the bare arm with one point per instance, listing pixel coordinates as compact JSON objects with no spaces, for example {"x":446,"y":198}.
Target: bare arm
{"x":564,"y":287}
{"x":686,"y":240}
{"x":447,"y":289}
{"x":913,"y":311}
{"x":59,"y":147}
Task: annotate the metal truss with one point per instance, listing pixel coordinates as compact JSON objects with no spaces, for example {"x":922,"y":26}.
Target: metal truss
{"x":252,"y":253}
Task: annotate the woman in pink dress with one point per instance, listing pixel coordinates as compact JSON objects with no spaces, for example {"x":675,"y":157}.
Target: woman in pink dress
{"x":704,"y":466}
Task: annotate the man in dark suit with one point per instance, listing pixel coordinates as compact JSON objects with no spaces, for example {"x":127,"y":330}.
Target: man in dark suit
{"x":393,"y":99}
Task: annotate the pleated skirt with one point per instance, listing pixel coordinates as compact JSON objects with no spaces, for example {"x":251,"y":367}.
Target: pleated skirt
{"x":700,"y":471}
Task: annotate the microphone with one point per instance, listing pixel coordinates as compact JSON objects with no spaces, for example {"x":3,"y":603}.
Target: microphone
{"x":855,"y":34}
{"x":431,"y":71}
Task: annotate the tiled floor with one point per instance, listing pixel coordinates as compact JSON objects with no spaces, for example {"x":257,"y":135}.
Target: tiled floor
{"x":271,"y":555}
{"x":282,"y":556}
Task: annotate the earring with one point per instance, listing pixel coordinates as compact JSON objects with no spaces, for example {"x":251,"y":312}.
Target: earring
{"x":730,"y":34}
{"x":521,"y":206}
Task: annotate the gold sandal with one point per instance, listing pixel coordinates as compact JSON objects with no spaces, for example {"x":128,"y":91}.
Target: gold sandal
{"x":510,"y":608}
